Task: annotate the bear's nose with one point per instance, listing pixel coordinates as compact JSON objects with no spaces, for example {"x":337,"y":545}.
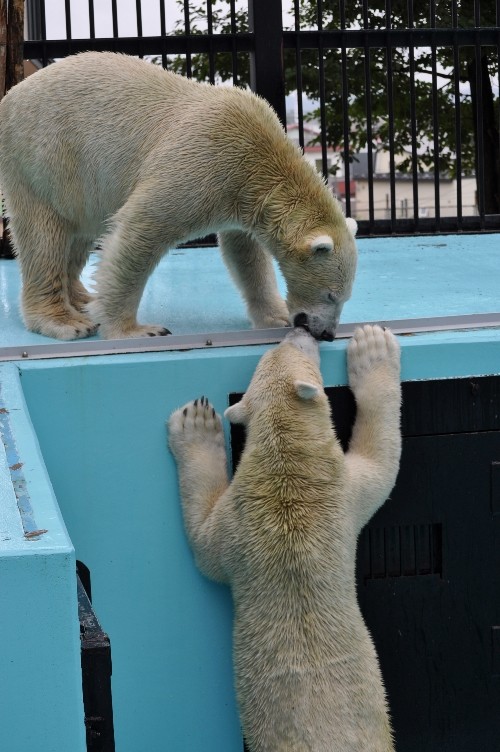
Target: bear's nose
{"x":327,"y":336}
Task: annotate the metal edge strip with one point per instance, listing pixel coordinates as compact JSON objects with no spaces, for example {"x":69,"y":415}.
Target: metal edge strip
{"x":15,"y":465}
{"x":232,"y":339}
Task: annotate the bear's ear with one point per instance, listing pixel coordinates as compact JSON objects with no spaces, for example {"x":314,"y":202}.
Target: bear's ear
{"x":306,"y":390}
{"x":321,"y":244}
{"x":352,"y":225}
{"x":237,"y":413}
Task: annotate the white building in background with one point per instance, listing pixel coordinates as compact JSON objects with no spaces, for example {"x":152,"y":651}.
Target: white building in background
{"x":312,"y":151}
{"x":447,"y":189}
{"x":404,"y":194}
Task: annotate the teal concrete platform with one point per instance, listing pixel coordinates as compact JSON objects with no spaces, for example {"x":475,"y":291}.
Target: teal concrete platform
{"x":397,"y":278}
{"x":83,"y":457}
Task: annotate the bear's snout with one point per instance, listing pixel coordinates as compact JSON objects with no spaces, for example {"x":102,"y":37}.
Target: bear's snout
{"x":326,"y":336}
{"x":303,"y":321}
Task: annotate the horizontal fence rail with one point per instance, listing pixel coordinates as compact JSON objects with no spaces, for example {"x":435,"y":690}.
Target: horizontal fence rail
{"x":396,"y":103}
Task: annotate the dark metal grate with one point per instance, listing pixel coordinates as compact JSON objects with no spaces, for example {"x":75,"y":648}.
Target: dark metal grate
{"x":96,"y":670}
{"x":400,"y":551}
{"x":365,"y":43}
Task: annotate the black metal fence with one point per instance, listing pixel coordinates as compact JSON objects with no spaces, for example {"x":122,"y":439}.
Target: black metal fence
{"x":396,"y":102}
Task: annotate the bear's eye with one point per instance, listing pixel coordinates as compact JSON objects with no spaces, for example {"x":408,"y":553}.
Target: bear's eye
{"x":322,"y":244}
{"x":332,"y":298}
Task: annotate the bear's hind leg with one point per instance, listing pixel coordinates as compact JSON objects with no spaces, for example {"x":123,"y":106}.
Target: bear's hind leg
{"x":43,"y":241}
{"x":79,"y":296}
{"x":251,"y":268}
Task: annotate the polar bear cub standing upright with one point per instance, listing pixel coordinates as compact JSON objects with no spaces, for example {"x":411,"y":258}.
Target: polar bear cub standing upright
{"x":283,"y":536}
{"x":105,"y":146}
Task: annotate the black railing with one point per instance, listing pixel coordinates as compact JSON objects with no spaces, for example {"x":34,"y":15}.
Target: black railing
{"x":396,"y":102}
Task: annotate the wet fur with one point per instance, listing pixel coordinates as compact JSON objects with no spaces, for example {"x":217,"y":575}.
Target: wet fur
{"x":105,"y":146}
{"x":283,"y":535}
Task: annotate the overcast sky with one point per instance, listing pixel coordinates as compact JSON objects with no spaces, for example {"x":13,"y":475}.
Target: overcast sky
{"x":127,"y":19}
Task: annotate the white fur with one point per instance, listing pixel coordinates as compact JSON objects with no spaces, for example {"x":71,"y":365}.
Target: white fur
{"x":283,"y":534}
{"x":107,"y":147}
{"x":322,"y":243}
{"x":352,"y":225}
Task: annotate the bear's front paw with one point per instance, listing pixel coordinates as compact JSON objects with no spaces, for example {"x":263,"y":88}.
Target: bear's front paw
{"x":273,"y":315}
{"x":196,"y":425}
{"x":371,"y":348}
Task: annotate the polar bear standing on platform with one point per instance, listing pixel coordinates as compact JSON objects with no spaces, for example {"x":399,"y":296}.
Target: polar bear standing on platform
{"x":106,"y":147}
{"x":283,"y":535}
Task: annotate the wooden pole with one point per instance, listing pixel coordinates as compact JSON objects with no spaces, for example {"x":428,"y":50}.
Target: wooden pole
{"x":11,"y":71}
{"x":5,"y":251}
{"x":3,"y":44}
{"x":15,"y":44}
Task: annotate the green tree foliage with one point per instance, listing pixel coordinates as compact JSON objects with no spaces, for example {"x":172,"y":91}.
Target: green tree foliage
{"x":424,"y":105}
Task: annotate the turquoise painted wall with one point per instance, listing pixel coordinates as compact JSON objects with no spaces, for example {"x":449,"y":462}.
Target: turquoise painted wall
{"x":40,"y":678}
{"x":101,"y":427}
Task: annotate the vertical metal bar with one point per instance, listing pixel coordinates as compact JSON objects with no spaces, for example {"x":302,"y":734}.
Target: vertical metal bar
{"x":138,"y":15}
{"x":138,"y":11}
{"x":477,"y":14}
{"x":390,"y":102}
{"x":33,"y":17}
{"x":210,"y":29}
{"x":298,"y":74}
{"x":498,"y":62}
{"x":369,"y":123}
{"x":234,"y":54}
{"x":67,"y":14}
{"x":266,"y":59}
{"x":479,"y":116}
{"x":322,"y":93}
{"x":187,"y":32}
{"x":43,"y":30}
{"x":91,"y":19}
{"x":458,"y":128}
{"x":435,"y":120}
{"x":163,"y":32}
{"x":345,"y":113}
{"x":114,"y":14}
{"x":413,"y":118}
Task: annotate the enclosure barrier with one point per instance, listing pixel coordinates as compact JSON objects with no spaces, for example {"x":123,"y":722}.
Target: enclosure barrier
{"x":405,"y":95}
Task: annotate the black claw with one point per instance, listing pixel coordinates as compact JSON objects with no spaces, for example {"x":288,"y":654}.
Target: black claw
{"x":151,"y":334}
{"x":165,"y":331}
{"x":213,"y":412}
{"x":185,"y":411}
{"x":196,"y":403}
